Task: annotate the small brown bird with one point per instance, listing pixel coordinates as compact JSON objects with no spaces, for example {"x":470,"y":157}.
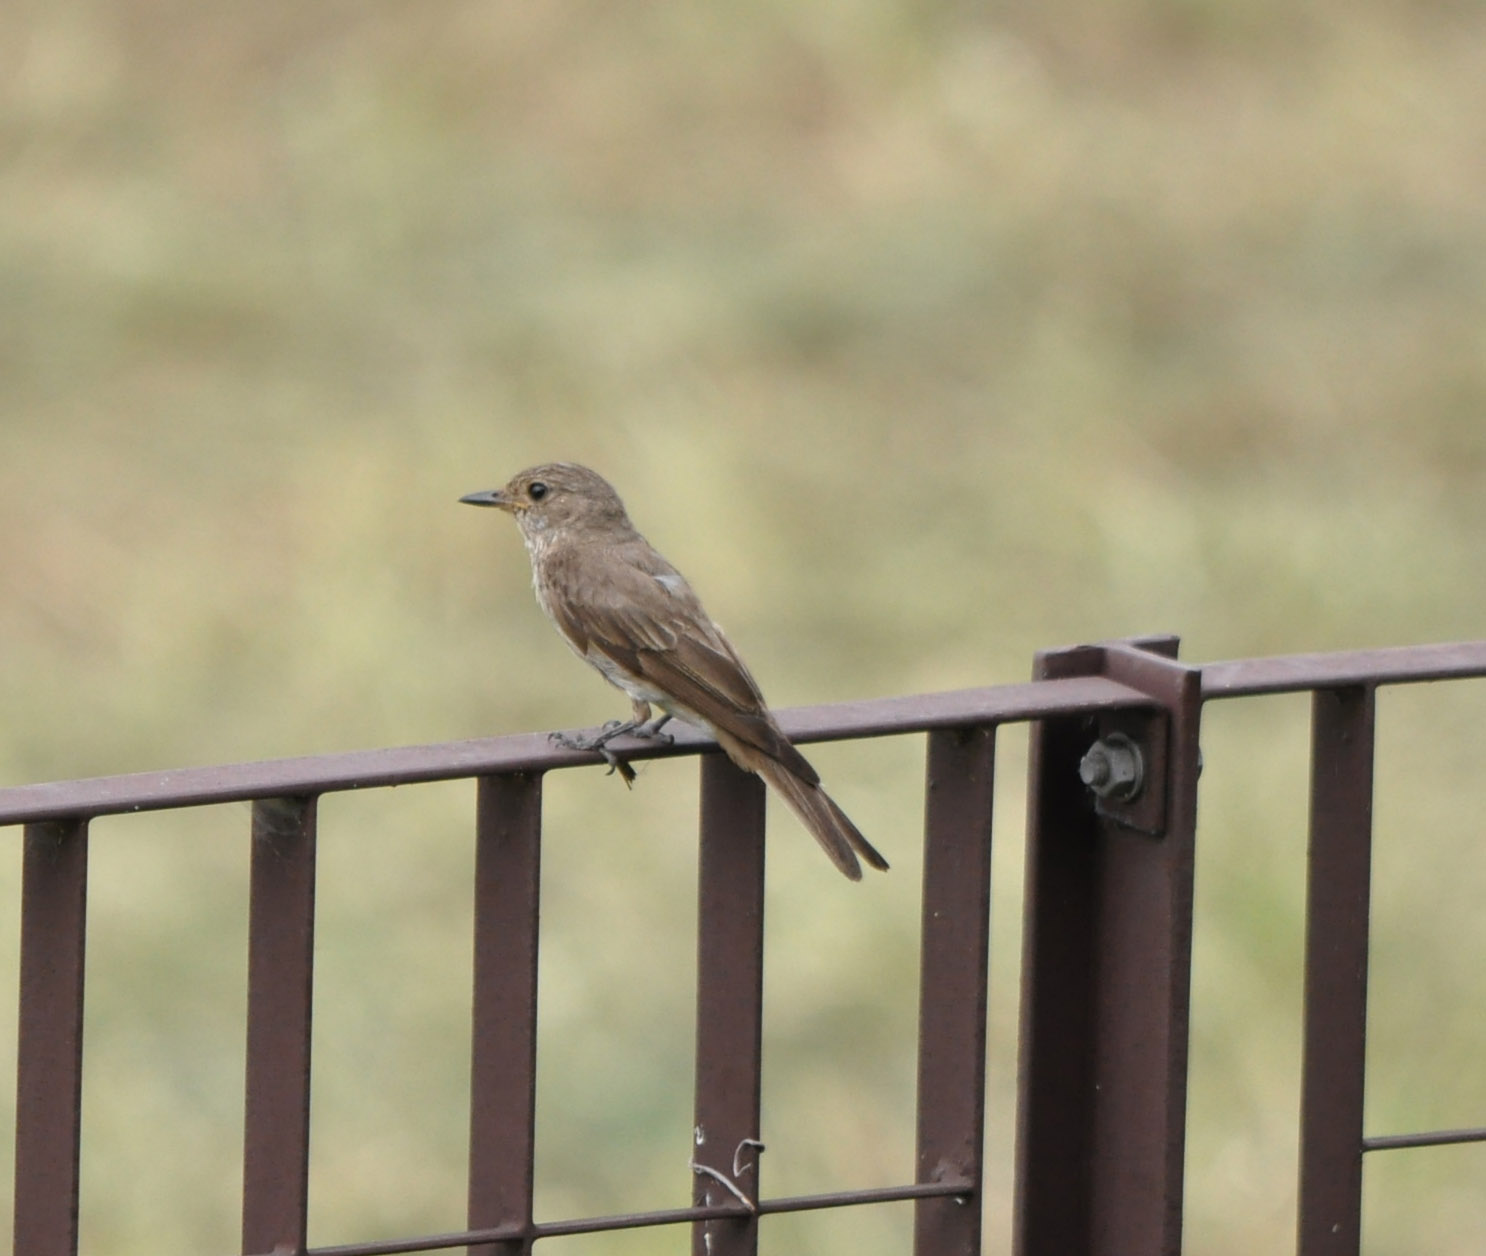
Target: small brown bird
{"x":625,"y":610}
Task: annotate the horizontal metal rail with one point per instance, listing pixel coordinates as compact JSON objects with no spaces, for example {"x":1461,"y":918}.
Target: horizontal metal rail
{"x":533,"y":752}
{"x":881,"y":717}
{"x":646,"y":1220}
{"x":1434,"y":1138}
{"x":1298,"y":673}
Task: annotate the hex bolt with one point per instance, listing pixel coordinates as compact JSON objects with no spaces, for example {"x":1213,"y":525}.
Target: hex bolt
{"x":1113,"y":768}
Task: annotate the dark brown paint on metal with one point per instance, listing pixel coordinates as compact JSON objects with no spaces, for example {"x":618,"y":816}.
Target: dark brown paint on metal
{"x":1428,"y":1138}
{"x":1396,"y":665}
{"x":1106,"y":977}
{"x":644,"y":1220}
{"x":533,"y":752}
{"x":1106,"y":965}
{"x":49,"y":1059}
{"x":1056,"y":1065}
{"x":1334,"y":1056}
{"x":954,"y":962}
{"x":508,"y":838}
{"x":281,"y":958}
{"x":730,"y":984}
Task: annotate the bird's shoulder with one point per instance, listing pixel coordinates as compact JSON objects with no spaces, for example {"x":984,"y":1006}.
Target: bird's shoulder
{"x":623,"y":574}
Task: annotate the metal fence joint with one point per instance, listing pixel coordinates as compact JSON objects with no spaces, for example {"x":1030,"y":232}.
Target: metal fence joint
{"x":1113,"y":767}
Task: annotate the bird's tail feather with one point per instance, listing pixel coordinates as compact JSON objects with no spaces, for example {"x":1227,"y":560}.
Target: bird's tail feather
{"x":832,"y":828}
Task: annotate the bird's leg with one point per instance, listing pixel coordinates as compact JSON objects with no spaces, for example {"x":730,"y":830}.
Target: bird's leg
{"x":599,"y":744}
{"x":651,"y":731}
{"x":606,"y":734}
{"x":636,"y":727}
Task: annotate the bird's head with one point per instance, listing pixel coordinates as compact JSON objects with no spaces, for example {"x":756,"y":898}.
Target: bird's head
{"x":556,"y":497}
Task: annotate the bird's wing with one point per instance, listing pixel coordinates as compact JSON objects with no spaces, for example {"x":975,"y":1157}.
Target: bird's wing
{"x":629,"y":604}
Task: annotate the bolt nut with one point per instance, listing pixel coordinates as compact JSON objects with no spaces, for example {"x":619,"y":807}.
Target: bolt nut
{"x":1113,"y":768}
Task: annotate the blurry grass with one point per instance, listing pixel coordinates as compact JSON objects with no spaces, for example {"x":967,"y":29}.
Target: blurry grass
{"x":922,"y":338}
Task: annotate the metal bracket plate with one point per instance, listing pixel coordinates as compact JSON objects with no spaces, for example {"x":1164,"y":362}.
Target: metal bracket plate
{"x":1146,"y":812}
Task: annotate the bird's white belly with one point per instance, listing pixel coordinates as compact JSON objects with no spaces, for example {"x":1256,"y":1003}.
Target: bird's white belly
{"x":644,"y":692}
{"x":632,"y":685}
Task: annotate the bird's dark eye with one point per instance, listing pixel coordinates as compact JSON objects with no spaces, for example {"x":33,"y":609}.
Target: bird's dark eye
{"x":536,"y":491}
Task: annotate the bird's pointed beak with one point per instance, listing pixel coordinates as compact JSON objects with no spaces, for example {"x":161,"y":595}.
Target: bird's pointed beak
{"x":488,"y":497}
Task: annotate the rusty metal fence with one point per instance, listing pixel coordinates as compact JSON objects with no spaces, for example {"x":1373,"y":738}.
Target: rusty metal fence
{"x":1105,"y":987}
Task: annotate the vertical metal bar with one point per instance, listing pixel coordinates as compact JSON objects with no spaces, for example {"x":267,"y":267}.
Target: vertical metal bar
{"x":953,"y":985}
{"x":1336,"y":931}
{"x":1106,"y":986}
{"x":281,"y":946}
{"x":503,"y":1073}
{"x":730,"y":983}
{"x":1055,"y":1087}
{"x":49,"y":1055}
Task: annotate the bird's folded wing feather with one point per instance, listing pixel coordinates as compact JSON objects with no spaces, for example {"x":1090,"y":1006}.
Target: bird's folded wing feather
{"x":644,"y":616}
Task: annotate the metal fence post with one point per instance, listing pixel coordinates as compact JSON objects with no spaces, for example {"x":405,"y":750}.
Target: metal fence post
{"x":1106,"y":975}
{"x":504,"y":1030}
{"x":49,"y":1056}
{"x":730,"y":985}
{"x":281,"y":957}
{"x":1336,"y":929}
{"x":952,"y":986}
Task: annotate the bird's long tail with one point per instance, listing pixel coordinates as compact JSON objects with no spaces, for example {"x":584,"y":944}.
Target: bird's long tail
{"x":832,"y":828}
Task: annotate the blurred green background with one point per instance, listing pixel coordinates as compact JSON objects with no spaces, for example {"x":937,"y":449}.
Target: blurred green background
{"x":922,"y":336}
